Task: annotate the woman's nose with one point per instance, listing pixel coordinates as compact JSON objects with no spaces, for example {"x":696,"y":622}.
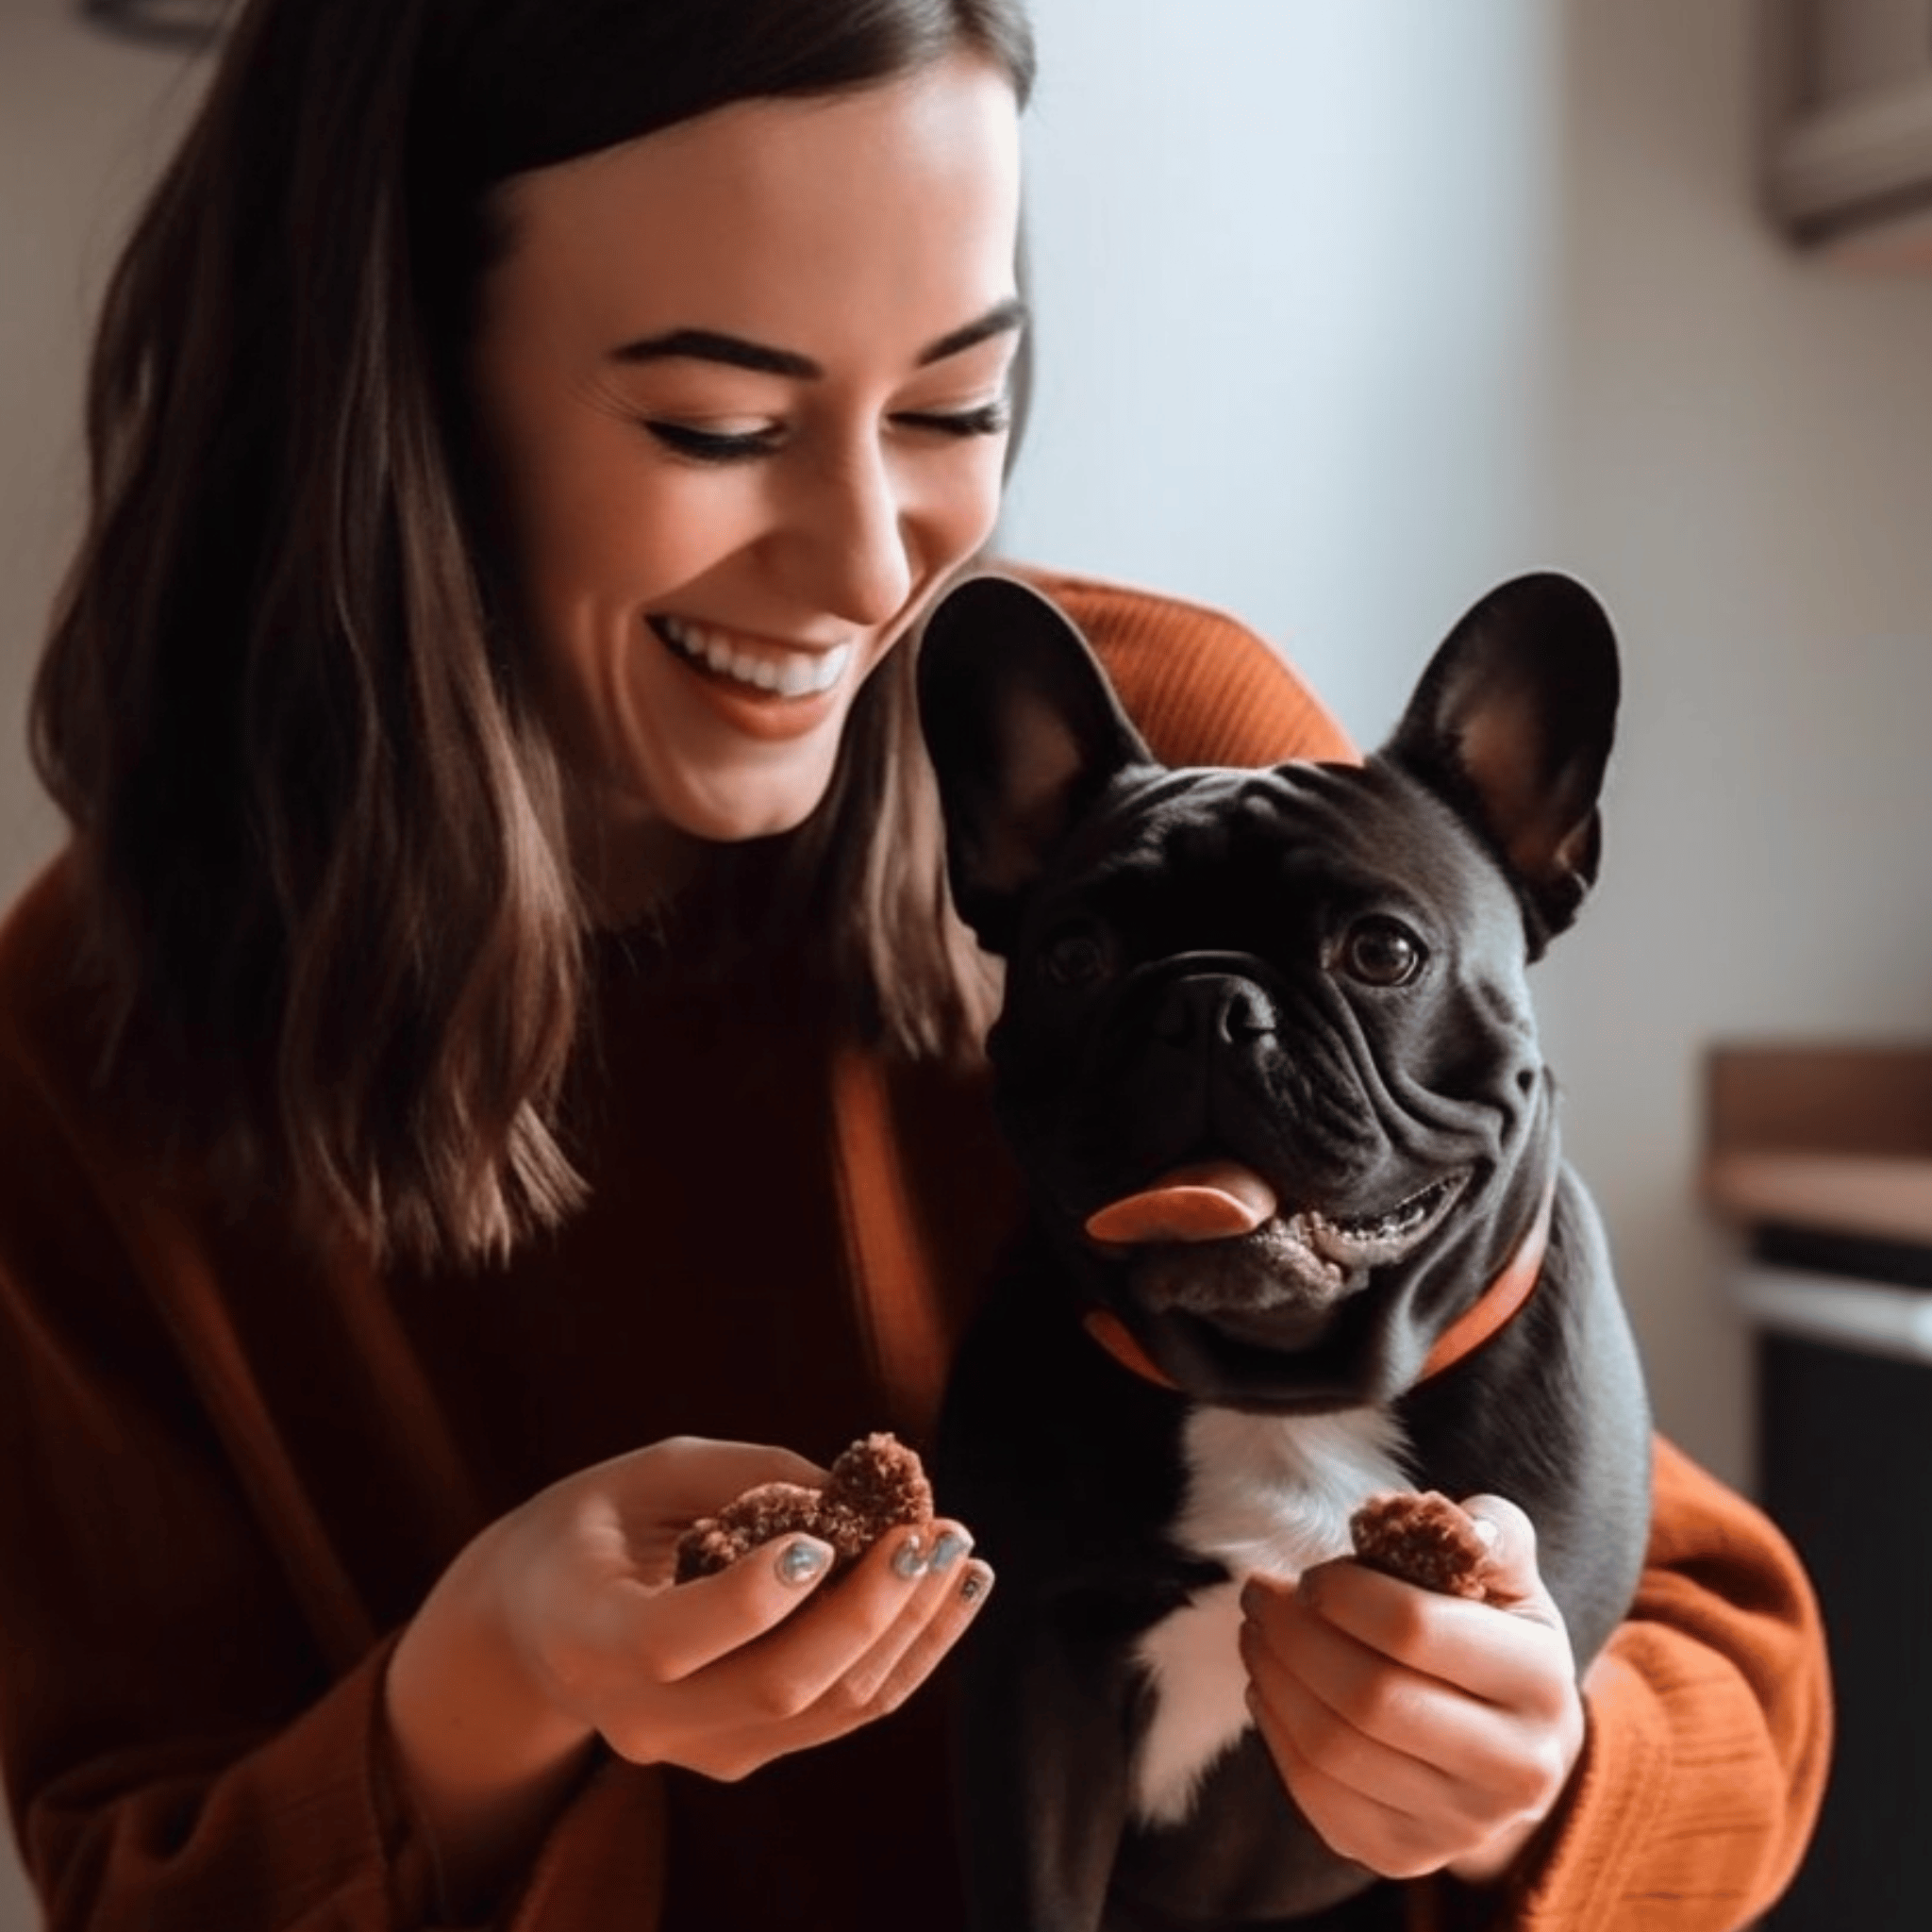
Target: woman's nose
{"x":848,"y":538}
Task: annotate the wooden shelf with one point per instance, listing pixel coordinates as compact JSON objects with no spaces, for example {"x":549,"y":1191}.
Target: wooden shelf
{"x":1833,"y":1137}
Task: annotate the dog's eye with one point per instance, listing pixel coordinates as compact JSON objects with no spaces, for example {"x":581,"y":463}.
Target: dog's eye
{"x":1379,"y":951}
{"x":1077,"y":957}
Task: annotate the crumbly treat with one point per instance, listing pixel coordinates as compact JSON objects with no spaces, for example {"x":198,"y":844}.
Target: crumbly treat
{"x":1423,"y":1539}
{"x":877,"y":1484}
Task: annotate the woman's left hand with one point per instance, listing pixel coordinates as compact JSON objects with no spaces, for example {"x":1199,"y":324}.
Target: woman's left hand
{"x":1419,"y":1732}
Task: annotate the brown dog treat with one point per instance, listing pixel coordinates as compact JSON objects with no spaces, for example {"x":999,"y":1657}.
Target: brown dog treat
{"x":1423,"y":1539}
{"x":875,"y":1483}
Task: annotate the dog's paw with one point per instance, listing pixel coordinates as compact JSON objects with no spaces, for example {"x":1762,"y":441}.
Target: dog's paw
{"x":877,"y":1484}
{"x":1423,"y":1539}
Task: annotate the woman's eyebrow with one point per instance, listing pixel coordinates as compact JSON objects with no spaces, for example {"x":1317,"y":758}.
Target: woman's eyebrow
{"x":736,"y":352}
{"x":1001,"y":319}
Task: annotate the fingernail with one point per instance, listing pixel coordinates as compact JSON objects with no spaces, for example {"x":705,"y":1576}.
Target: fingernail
{"x":949,"y":1549}
{"x":973,"y":1588}
{"x":800,"y":1563}
{"x":908,"y":1560}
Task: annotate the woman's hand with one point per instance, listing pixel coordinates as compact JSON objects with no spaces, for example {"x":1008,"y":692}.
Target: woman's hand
{"x":559,"y":1623}
{"x":726,"y":1673}
{"x":1419,"y":1732}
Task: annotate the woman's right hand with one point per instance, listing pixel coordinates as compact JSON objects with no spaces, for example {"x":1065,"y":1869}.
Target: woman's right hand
{"x":723,"y":1674}
{"x":559,"y":1623}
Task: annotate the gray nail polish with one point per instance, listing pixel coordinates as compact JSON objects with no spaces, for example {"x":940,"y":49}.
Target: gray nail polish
{"x":800,"y":1563}
{"x":949,"y":1549}
{"x":973,"y":1588}
{"x":910,"y":1559}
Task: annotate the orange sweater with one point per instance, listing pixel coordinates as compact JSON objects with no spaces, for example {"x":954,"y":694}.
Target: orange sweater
{"x":233,"y":1466}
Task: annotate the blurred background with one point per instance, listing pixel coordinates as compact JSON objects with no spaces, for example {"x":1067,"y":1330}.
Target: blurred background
{"x":1348,"y":310}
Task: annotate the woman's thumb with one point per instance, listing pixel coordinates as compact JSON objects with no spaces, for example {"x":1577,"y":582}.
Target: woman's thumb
{"x":1510,"y":1576}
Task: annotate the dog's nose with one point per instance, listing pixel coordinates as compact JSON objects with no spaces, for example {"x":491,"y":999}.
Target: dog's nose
{"x":1211,"y":1008}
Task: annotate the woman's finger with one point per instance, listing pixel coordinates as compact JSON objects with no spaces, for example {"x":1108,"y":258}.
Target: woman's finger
{"x":1353,"y":1823}
{"x":1414,"y":1743}
{"x":693,"y":1475}
{"x":692,"y":1627}
{"x":937,"y":1617}
{"x":1508,"y":1653}
{"x":1367,"y":1724}
{"x":784,"y":1672}
{"x":932,"y":1621}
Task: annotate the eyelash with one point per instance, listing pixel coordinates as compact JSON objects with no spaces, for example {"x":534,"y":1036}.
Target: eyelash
{"x":706,"y":447}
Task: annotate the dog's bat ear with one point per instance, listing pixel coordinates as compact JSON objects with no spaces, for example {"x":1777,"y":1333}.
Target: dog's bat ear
{"x":1513,"y":723}
{"x":1024,"y":732}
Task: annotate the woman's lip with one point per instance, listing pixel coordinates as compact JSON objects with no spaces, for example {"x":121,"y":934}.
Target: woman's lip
{"x":771,"y":667}
{"x":760,"y":714}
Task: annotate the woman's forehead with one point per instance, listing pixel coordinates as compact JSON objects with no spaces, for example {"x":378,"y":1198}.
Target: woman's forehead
{"x":898,"y":203}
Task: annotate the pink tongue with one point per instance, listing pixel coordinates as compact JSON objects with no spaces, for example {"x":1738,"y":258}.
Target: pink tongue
{"x":1208,"y":1202}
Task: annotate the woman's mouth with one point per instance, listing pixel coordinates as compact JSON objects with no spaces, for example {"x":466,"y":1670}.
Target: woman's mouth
{"x":766,"y":669}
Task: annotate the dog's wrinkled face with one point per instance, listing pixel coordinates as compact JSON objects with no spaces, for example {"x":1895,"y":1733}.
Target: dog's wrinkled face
{"x":1267,"y":1055}
{"x":1292,"y":986}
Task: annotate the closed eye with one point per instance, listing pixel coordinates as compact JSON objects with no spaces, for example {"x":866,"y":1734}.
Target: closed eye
{"x":741,"y":445}
{"x":989,"y":419}
{"x":715,"y":445}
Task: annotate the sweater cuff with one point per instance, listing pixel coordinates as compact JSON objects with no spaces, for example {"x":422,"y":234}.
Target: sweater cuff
{"x":601,"y":1862}
{"x":1614,"y":1796}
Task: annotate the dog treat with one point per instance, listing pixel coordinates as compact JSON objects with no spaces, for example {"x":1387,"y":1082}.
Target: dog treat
{"x":877,"y":1483}
{"x":1423,"y":1539}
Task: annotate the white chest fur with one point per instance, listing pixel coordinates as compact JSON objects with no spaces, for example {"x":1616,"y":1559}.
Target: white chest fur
{"x":1266,"y":1495}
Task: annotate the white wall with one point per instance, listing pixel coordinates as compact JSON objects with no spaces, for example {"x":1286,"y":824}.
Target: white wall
{"x":1292,"y":262}
{"x":1350,"y":308}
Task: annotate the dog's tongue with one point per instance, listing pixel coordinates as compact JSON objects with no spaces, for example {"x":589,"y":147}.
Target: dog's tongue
{"x":1208,"y":1202}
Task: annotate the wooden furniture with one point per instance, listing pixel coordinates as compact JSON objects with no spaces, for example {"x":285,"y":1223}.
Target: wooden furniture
{"x":1847,"y":127}
{"x":1822,"y":1156}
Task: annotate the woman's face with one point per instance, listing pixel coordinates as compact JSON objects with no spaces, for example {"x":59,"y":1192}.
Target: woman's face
{"x":742,"y":385}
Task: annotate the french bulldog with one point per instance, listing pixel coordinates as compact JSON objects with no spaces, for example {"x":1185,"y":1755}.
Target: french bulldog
{"x":1299,"y":1231}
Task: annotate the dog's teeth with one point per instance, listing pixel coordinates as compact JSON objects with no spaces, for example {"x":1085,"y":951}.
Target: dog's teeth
{"x":1368,"y":1231}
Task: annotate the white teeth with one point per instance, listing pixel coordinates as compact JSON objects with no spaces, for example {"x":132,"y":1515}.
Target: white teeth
{"x":787,"y":675}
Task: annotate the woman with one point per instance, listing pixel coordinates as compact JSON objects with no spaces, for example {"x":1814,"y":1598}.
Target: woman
{"x":495,"y":1054}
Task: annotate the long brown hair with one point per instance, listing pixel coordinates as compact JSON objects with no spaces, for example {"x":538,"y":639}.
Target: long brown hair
{"x":319,"y":823}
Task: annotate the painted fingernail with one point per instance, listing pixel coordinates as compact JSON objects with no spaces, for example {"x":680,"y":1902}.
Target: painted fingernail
{"x":949,"y":1549}
{"x":908,"y":1560}
{"x":974,"y":1585}
{"x":800,"y":1563}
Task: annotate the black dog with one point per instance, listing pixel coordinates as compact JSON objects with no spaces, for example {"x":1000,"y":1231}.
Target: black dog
{"x":1268,"y":1062}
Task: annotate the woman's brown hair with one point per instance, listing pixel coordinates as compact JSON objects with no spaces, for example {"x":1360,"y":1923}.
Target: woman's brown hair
{"x":319,"y":823}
